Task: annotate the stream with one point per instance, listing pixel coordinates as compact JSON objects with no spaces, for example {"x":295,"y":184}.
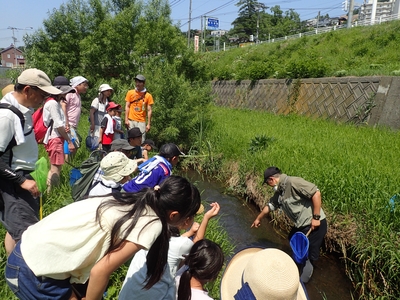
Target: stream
{"x":329,"y":280}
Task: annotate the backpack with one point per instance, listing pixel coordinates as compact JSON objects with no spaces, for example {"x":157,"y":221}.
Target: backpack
{"x":39,"y":127}
{"x":21,"y":117}
{"x":81,"y":187}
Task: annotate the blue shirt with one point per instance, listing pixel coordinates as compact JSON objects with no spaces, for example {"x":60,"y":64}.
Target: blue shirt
{"x":155,"y":177}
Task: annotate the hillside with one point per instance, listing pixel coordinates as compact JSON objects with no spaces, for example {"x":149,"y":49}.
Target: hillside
{"x":359,"y":51}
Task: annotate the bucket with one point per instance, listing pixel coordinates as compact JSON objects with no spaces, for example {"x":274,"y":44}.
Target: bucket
{"x":74,"y":175}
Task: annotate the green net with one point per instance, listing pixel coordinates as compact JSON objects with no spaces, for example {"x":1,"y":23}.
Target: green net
{"x":40,"y":174}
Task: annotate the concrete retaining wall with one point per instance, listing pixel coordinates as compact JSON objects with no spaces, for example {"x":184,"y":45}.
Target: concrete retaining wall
{"x":370,"y":100}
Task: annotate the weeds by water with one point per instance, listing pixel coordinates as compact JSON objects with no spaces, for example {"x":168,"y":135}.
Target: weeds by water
{"x":356,"y":169}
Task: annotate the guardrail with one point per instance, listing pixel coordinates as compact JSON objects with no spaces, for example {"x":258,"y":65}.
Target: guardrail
{"x":321,"y":30}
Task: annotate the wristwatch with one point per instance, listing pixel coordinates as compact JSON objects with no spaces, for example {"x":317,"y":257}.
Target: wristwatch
{"x":316,"y":217}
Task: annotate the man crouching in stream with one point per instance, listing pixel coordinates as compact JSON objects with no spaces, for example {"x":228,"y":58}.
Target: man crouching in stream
{"x":300,"y":200}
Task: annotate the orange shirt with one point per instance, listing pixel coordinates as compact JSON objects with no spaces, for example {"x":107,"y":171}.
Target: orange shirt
{"x":139,"y":102}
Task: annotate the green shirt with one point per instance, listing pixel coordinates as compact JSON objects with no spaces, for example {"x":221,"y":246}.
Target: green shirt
{"x":294,"y":198}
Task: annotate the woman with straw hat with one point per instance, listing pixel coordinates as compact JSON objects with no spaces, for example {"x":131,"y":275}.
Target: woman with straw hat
{"x":256,"y":273}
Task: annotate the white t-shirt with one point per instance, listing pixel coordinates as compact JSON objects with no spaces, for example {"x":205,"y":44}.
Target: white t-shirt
{"x":196,"y":294}
{"x":69,"y":242}
{"x":52,"y":110}
{"x":178,"y":246}
{"x":26,"y":153}
{"x":165,"y":288}
{"x":103,"y":187}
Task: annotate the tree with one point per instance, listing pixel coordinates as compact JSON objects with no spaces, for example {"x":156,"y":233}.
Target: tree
{"x":246,"y":24}
{"x":112,"y":41}
{"x":276,"y":24}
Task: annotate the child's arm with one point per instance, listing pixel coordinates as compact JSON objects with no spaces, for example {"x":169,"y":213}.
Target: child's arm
{"x":101,"y":271}
{"x":192,"y":231}
{"x":145,"y":154}
{"x":207,"y":216}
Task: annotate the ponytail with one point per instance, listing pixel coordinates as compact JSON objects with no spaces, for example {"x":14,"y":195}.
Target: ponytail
{"x":184,"y":289}
{"x":174,"y":194}
{"x":204,"y":263}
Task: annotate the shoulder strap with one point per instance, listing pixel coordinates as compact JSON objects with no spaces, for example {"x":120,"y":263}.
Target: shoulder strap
{"x":21,"y":117}
{"x":15,"y":111}
{"x":137,"y":100}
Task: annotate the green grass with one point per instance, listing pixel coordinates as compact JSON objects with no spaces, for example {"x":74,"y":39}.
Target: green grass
{"x":359,"y":51}
{"x":356,"y":169}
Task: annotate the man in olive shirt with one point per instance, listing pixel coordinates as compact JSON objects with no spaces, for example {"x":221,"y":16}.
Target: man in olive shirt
{"x":300,"y":200}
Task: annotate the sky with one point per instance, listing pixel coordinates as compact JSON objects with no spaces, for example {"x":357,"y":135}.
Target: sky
{"x":29,"y":15}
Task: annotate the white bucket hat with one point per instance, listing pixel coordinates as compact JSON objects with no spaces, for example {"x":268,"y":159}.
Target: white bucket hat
{"x":116,"y":166}
{"x":105,"y":87}
{"x":77,"y":81}
{"x":268,"y":273}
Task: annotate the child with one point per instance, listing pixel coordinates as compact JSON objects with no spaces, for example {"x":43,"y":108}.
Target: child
{"x":156,"y":169}
{"x":119,"y":133}
{"x":95,"y":237}
{"x":179,"y":245}
{"x":116,"y":168}
{"x":202,"y":265}
{"x":98,"y":108}
{"x":107,"y":128}
{"x":147,"y":146}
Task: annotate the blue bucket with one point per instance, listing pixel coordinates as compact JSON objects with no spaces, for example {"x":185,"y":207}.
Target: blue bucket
{"x":74,"y":175}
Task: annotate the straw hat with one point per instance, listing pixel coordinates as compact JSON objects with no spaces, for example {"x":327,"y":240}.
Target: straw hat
{"x":7,"y":89}
{"x":270,"y":274}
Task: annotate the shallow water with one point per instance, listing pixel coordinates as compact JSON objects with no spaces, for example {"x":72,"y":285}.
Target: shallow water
{"x":328,"y":281}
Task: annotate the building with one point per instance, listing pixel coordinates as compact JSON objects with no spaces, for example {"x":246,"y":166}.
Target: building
{"x":383,"y":9}
{"x":12,"y":57}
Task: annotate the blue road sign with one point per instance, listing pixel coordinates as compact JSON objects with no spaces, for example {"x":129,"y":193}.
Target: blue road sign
{"x":212,"y":24}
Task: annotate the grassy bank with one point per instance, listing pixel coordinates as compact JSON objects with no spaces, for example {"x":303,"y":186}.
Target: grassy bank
{"x":354,"y":167}
{"x":359,"y":51}
{"x":61,"y":196}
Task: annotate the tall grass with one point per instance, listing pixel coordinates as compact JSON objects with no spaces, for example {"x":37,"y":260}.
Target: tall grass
{"x":356,"y":169}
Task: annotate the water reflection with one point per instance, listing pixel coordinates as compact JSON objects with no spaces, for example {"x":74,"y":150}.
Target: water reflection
{"x":329,"y":280}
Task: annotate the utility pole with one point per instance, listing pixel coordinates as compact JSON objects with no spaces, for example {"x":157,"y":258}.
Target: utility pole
{"x":15,"y":40}
{"x":190,"y":19}
{"x":350,"y":14}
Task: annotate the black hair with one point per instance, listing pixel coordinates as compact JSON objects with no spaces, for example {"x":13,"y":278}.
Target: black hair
{"x":175,"y":194}
{"x":18,"y":87}
{"x":204,"y":263}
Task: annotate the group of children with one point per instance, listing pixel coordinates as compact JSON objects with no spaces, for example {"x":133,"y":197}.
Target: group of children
{"x":84,"y":242}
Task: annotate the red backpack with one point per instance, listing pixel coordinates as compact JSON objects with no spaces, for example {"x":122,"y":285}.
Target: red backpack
{"x":39,"y":127}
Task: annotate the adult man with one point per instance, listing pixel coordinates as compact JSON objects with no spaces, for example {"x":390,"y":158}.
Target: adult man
{"x":155,"y":170}
{"x":56,"y":133}
{"x":72,"y":106}
{"x":300,"y":200}
{"x":138,"y":101}
{"x":19,"y":192}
